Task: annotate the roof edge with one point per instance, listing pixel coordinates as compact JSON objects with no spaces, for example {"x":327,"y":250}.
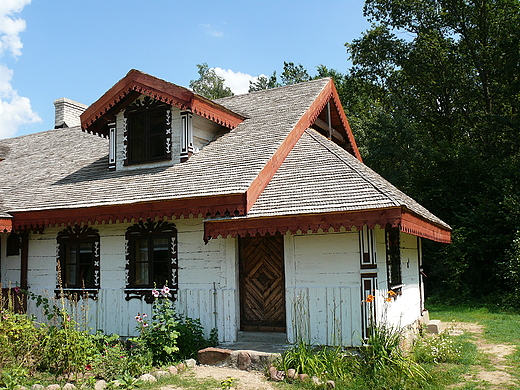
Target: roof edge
{"x":395,"y":217}
{"x":139,"y":82}
{"x":6,"y":225}
{"x":231,"y":204}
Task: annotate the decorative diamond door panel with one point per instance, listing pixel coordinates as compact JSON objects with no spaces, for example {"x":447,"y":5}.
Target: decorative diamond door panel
{"x":262,"y":287}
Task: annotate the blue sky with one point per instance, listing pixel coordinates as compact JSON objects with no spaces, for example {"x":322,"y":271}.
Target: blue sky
{"x":79,"y":49}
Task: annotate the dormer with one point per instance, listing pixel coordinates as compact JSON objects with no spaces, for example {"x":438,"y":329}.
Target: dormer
{"x":151,"y":122}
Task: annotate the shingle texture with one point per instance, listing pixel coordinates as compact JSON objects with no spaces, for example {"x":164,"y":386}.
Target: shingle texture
{"x":66,"y":168}
{"x":319,"y":177}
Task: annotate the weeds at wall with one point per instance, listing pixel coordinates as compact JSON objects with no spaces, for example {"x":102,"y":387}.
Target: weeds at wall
{"x":62,"y":349}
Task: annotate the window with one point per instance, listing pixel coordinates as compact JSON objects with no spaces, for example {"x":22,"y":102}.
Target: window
{"x":78,"y":258}
{"x":151,"y":258}
{"x":393,"y":259}
{"x":147,"y":131}
{"x":13,"y":244}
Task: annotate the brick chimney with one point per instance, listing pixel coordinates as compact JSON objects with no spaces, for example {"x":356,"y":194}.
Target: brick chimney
{"x":67,"y":113}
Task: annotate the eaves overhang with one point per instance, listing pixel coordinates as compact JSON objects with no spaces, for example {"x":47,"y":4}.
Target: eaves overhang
{"x":221,"y":205}
{"x":98,"y":115}
{"x":6,"y":224}
{"x":398,"y":217}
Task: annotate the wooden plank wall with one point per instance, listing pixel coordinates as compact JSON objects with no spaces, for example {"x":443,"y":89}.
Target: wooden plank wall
{"x":207,"y":278}
{"x":323,"y":288}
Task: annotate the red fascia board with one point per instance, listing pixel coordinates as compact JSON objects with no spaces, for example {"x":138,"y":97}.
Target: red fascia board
{"x":344,"y":120}
{"x":160,"y":90}
{"x":412,"y":224}
{"x":303,"y":223}
{"x":328,"y":93}
{"x":6,"y":225}
{"x":307,"y":119}
{"x":213,"y":205}
{"x":394,"y":217}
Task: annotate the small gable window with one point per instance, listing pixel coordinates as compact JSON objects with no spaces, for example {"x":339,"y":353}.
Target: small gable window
{"x":78,"y":258}
{"x":147,"y":132}
{"x":151,"y":258}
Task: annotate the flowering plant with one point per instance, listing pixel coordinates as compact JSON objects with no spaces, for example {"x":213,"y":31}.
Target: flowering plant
{"x":160,"y":334}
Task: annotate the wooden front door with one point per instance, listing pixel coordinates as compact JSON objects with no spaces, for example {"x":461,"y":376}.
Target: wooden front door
{"x":262,"y":286}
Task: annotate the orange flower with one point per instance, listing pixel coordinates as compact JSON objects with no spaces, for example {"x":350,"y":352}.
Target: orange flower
{"x":392,"y":293}
{"x":370,"y":298}
{"x":389,"y":299}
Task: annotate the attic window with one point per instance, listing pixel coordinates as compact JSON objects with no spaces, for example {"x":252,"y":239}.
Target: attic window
{"x":147,"y":132}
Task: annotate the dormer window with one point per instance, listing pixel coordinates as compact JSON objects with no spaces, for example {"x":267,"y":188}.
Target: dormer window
{"x":147,"y":131}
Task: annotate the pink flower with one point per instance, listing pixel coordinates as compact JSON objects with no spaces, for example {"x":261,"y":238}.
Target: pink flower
{"x":17,"y":290}
{"x":165,"y":291}
{"x":144,"y":315}
{"x":155,"y":293}
{"x":88,"y":367}
{"x":145,"y":325}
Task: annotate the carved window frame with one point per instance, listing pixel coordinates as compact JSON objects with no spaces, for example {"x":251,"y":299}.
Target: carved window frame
{"x":145,"y":106}
{"x":150,"y":229}
{"x":77,"y":235}
{"x":367,"y":251}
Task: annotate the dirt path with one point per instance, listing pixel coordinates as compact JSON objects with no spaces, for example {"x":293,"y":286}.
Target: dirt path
{"x":498,"y":376}
{"x":244,"y":380}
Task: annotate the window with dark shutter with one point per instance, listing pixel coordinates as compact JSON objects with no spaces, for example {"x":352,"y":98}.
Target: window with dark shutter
{"x":151,"y":258}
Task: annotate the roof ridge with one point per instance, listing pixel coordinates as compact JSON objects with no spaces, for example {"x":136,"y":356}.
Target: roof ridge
{"x":317,"y":137}
{"x":267,"y":90}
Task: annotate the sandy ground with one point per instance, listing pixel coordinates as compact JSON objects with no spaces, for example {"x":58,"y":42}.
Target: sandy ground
{"x":498,"y":376}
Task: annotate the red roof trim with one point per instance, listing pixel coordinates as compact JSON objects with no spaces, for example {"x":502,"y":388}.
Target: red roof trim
{"x":395,"y":217}
{"x":344,"y":121}
{"x":215,"y":205}
{"x":328,"y":93}
{"x":6,"y":225}
{"x":412,"y":224}
{"x":142,"y":83}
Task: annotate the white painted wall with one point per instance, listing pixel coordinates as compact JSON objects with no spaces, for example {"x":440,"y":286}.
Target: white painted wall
{"x":323,"y":289}
{"x":207,"y":279}
{"x":406,"y":308}
{"x":322,"y":276}
{"x":9,"y":265}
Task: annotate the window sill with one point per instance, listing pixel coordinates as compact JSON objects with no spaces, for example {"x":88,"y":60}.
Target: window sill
{"x":77,"y":293}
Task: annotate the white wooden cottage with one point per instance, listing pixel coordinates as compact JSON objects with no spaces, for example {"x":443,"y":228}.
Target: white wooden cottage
{"x":255,"y":209}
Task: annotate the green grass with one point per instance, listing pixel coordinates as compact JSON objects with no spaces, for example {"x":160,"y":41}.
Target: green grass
{"x":500,"y":327}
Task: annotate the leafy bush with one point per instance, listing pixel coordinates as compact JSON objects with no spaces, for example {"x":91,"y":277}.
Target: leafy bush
{"x":191,"y":337}
{"x":66,"y":349}
{"x":19,"y":340}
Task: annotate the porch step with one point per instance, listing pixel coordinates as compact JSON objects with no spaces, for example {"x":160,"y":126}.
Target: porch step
{"x":434,"y":326}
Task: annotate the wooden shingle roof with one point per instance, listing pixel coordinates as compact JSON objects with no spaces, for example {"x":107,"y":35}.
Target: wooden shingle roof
{"x":270,"y":165}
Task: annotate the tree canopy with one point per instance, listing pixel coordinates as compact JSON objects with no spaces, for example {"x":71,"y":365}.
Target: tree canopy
{"x":439,"y":82}
{"x":209,"y":84}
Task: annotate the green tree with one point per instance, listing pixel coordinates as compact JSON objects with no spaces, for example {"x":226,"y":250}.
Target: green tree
{"x":209,"y":84}
{"x":440,"y":87}
{"x":264,"y":83}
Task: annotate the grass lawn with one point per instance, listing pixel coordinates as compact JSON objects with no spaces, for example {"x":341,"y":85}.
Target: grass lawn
{"x":500,"y":327}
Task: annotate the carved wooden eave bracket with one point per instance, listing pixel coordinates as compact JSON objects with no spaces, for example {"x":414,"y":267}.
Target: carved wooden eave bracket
{"x":326,"y":222}
{"x":103,"y":111}
{"x":213,"y":206}
{"x":6,"y":225}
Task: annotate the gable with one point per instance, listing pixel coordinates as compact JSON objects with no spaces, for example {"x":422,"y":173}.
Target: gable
{"x":97,"y":117}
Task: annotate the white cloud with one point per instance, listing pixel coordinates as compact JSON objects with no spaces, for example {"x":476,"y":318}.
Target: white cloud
{"x":212,"y":31}
{"x":11,"y":27}
{"x":237,"y":81}
{"x":15,"y":110}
